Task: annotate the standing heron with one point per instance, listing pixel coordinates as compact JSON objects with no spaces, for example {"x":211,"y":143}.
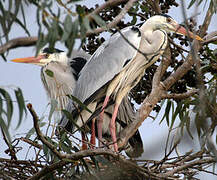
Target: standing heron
{"x":119,"y":64}
{"x":59,"y":75}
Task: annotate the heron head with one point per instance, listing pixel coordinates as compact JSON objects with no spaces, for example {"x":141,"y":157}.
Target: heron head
{"x":168,"y":24}
{"x":44,"y":57}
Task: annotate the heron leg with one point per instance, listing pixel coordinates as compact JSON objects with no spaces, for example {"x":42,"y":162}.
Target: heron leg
{"x":84,"y":140}
{"x":93,"y":135}
{"x":113,"y":128}
{"x":100,"y":121}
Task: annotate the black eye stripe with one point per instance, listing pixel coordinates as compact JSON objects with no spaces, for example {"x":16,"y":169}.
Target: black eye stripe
{"x":166,"y":15}
{"x":50,"y":51}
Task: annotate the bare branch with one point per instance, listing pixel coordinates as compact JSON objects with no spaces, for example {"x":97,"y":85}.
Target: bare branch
{"x":48,"y":169}
{"x":207,"y":20}
{"x":39,"y":146}
{"x":39,"y":133}
{"x":21,"y":162}
{"x":115,"y":21}
{"x":109,"y":3}
{"x":179,"y":96}
{"x":188,"y":165}
{"x":155,"y":5}
{"x":11,"y":151}
{"x":17,"y":42}
{"x":162,"y":68}
{"x":211,"y":37}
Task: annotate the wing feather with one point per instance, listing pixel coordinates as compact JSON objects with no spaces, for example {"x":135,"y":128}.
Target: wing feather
{"x":106,"y":62}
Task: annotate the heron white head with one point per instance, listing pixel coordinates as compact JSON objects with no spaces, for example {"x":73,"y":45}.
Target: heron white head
{"x":44,"y":57}
{"x":168,"y":24}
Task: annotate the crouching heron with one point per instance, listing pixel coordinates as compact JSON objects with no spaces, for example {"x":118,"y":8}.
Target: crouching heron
{"x":59,"y":75}
{"x":119,"y":64}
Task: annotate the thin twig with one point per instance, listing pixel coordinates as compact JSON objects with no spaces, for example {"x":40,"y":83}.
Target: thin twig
{"x":32,"y":143}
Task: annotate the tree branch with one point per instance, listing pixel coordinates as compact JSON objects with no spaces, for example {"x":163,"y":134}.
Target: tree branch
{"x":115,"y":21}
{"x":211,"y":37}
{"x":74,"y":157}
{"x":32,"y":143}
{"x":109,"y":3}
{"x":162,"y":68}
{"x":187,"y":165}
{"x":48,"y":169}
{"x":179,"y":96}
{"x":39,"y":133}
{"x":17,"y":42}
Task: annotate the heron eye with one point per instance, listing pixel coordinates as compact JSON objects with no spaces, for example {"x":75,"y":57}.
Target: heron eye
{"x":168,"y":20}
{"x":46,"y":55}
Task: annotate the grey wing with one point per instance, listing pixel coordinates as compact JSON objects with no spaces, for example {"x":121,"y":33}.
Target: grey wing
{"x":106,"y":62}
{"x":79,"y":53}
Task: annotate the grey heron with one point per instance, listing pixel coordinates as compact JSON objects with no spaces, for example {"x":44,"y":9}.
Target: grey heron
{"x":65,"y":73}
{"x":118,"y":65}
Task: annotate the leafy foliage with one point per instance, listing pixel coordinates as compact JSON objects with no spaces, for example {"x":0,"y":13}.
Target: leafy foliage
{"x":7,"y":108}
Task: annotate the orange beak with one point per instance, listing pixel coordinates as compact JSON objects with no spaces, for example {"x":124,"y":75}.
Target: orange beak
{"x":181,"y":30}
{"x":32,"y":60}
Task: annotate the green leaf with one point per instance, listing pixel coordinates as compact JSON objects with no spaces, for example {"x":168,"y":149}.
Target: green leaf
{"x":49,"y":73}
{"x":70,"y":118}
{"x":87,"y":166}
{"x":9,"y":105}
{"x":46,"y":151}
{"x":3,"y":57}
{"x":80,"y":10}
{"x":178,"y":110}
{"x":20,"y":23}
{"x":188,"y":124}
{"x":52,"y":109}
{"x":86,"y":23}
{"x":83,"y":31}
{"x":191,"y":3}
{"x":95,"y":162}
{"x":68,"y":24}
{"x":65,"y":147}
{"x":21,"y":105}
{"x":42,"y":124}
{"x":30,"y":133}
{"x":83,"y":106}
{"x":1,"y":105}
{"x":32,"y":130}
{"x":99,"y":20}
{"x":5,"y":129}
{"x":167,"y":112}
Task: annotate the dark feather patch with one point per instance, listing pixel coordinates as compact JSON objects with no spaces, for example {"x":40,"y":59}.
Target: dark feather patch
{"x":51,"y":50}
{"x":126,"y":62}
{"x":77,"y":64}
{"x":166,"y":15}
{"x":136,"y":29}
